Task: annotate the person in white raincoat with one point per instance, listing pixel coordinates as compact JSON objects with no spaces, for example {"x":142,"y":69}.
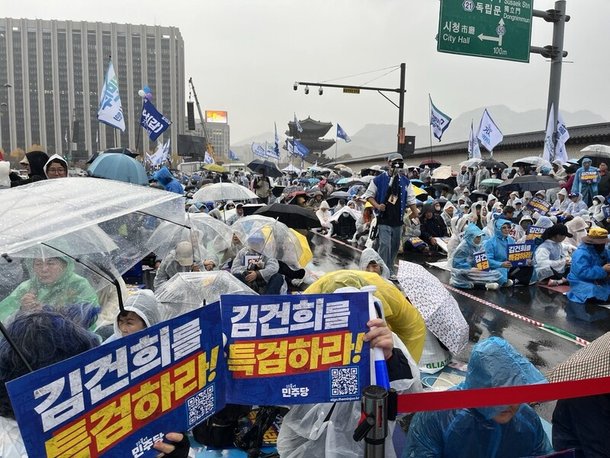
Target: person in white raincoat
{"x":325,"y":430}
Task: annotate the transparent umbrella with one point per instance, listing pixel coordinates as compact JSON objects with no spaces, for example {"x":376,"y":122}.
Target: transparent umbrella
{"x":223,"y":192}
{"x":273,"y":239}
{"x":188,"y":291}
{"x":209,"y":235}
{"x":90,"y":230}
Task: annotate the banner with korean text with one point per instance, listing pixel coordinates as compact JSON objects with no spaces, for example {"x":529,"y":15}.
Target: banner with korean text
{"x":120,"y":398}
{"x":534,"y":232}
{"x":480,"y":260}
{"x":296,"y":349}
{"x":520,"y":254}
{"x":539,"y":205}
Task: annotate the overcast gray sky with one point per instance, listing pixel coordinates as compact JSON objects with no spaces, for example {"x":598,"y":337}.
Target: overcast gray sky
{"x":244,"y":56}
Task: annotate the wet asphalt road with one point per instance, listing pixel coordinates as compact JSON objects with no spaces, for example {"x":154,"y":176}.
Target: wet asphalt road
{"x":544,"y":349}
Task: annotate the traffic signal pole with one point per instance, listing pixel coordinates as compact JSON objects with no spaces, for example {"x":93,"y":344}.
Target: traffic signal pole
{"x":351,"y":89}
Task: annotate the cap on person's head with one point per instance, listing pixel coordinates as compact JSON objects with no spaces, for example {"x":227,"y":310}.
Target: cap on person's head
{"x":556,"y":229}
{"x":596,"y":236}
{"x":573,"y":194}
{"x":184,"y":254}
{"x":395,"y":157}
{"x":541,"y":193}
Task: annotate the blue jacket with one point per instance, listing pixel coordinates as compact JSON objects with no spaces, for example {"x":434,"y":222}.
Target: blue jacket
{"x":472,"y":433}
{"x":382,"y":183}
{"x":165,"y":177}
{"x":497,"y":249}
{"x":588,"y":280}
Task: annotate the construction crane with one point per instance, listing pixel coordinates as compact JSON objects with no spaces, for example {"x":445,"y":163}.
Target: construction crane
{"x":209,"y":147}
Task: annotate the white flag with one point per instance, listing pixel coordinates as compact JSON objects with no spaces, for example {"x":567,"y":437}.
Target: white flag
{"x":438,"y":120}
{"x":562,"y":137}
{"x":549,"y":153}
{"x":207,"y":159}
{"x":297,"y":124}
{"x":489,"y":133}
{"x":473,"y":144}
{"x":111,"y":110}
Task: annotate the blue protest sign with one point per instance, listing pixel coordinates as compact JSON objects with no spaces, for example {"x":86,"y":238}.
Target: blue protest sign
{"x":519,"y":254}
{"x":120,"y":398}
{"x":296,"y":349}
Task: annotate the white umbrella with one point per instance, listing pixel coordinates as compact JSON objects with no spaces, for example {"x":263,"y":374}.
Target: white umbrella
{"x":471,"y":162}
{"x":596,"y":149}
{"x":442,"y":173}
{"x":536,"y":161}
{"x":291,"y":168}
{"x":223,"y":192}
{"x":437,"y":306}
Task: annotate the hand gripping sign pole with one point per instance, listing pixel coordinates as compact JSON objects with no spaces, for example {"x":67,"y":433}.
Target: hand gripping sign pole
{"x":379,"y":401}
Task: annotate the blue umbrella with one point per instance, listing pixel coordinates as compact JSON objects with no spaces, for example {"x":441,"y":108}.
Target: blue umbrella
{"x":119,"y":167}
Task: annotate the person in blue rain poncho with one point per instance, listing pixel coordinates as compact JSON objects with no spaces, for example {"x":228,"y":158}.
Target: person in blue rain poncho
{"x":165,"y":178}
{"x":496,"y":248}
{"x":464,"y":272}
{"x":590,"y":271}
{"x":498,"y":432}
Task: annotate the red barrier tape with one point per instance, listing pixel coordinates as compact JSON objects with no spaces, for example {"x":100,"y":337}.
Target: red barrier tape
{"x":461,"y":399}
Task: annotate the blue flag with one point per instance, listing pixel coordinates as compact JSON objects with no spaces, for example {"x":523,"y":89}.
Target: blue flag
{"x":233,"y":156}
{"x":438,"y":120}
{"x":300,"y":149}
{"x":154,"y":123}
{"x":342,"y":134}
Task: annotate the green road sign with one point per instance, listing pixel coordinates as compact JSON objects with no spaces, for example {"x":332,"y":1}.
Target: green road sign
{"x":499,"y":29}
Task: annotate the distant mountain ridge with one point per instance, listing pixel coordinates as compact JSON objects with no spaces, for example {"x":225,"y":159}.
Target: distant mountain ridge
{"x":378,"y":138}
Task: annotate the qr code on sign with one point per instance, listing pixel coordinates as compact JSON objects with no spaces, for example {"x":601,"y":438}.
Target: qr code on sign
{"x":344,"y":382}
{"x":201,"y":406}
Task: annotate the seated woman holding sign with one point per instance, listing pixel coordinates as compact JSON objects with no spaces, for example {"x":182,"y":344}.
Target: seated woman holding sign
{"x":469,"y":266}
{"x":497,"y":248}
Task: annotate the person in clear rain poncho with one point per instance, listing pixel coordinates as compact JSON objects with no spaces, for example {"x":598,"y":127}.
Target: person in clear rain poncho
{"x":483,"y":432}
{"x":325,"y":430}
{"x":371,"y":261}
{"x":464,"y":272}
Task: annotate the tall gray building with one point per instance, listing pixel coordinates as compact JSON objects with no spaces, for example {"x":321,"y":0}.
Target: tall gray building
{"x":52,"y":72}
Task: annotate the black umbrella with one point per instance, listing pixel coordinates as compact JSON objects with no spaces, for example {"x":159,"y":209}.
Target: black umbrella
{"x":474,"y":195}
{"x":293,"y":216}
{"x":529,"y":183}
{"x":493,"y":164}
{"x":597,"y":157}
{"x":431,"y":163}
{"x":267,"y":167}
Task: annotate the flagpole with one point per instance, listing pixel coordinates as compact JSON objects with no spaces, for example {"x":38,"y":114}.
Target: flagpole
{"x":429,"y":124}
{"x":139,"y":131}
{"x":336,"y":142}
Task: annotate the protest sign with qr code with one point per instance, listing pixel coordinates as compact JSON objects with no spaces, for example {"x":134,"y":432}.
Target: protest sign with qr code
{"x":519,"y":254}
{"x":120,"y":398}
{"x":296,"y":349}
